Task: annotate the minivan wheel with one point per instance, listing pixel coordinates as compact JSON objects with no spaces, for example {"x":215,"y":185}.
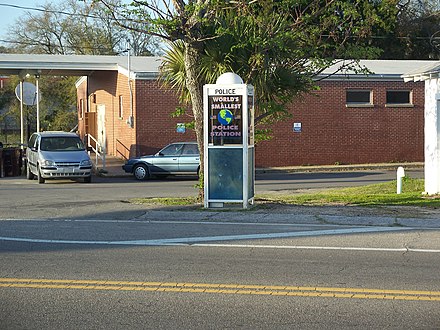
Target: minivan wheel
{"x":29,"y":174}
{"x":141,"y":172}
{"x":40,"y":178}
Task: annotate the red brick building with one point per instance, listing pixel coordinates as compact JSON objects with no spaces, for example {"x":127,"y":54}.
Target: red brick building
{"x":334,"y":132}
{"x":351,"y":119}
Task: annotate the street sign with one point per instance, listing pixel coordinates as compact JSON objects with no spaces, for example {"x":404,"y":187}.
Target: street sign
{"x":29,"y":93}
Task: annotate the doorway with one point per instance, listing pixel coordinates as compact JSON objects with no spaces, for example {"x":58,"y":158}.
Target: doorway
{"x":100,"y":109}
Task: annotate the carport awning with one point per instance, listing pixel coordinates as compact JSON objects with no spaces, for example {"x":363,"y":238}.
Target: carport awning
{"x":75,"y":65}
{"x":424,"y":73}
{"x":65,"y":65}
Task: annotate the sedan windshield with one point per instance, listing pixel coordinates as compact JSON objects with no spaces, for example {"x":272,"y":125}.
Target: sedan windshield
{"x":61,"y":144}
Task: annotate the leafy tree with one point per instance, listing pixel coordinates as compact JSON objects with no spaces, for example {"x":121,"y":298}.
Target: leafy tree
{"x":278,"y":46}
{"x":75,"y":27}
{"x":57,"y":106}
{"x":417,"y":32}
{"x":7,"y":123}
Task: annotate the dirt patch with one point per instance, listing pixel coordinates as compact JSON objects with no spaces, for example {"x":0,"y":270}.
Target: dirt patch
{"x":348,"y":210}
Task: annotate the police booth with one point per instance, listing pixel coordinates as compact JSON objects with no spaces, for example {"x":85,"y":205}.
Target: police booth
{"x":229,"y":153}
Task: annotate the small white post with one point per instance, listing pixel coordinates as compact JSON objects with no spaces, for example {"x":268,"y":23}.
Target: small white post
{"x":400,"y":175}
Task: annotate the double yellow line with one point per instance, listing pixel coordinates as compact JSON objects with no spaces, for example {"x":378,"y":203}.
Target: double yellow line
{"x":295,"y":291}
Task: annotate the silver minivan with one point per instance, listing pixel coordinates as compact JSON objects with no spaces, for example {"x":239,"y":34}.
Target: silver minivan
{"x":57,"y":155}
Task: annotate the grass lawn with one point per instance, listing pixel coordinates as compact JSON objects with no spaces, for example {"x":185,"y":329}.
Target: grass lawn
{"x":381,"y":194}
{"x":370,"y":195}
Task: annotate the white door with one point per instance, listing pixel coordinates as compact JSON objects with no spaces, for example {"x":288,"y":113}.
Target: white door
{"x":100,"y":109}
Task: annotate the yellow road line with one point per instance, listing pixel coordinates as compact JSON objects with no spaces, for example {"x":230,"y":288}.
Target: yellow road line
{"x":295,"y":291}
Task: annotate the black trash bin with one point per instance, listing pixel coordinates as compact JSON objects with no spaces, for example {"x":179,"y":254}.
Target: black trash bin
{"x":11,"y":161}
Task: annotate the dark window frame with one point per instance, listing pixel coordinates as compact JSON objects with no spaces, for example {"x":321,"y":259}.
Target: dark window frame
{"x":402,"y":103}
{"x":81,"y":109}
{"x":361,"y":100}
{"x":121,"y":107}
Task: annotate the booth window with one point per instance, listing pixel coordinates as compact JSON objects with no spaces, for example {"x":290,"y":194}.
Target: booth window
{"x":399,"y":98}
{"x":359,"y":98}
{"x":121,"y":107}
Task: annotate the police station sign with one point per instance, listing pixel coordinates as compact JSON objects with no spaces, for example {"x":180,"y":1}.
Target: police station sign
{"x":225,"y":124}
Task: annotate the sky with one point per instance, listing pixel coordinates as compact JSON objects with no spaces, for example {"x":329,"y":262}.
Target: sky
{"x":8,"y":14}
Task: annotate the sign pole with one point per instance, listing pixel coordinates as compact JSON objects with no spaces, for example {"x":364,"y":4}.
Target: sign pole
{"x":21,"y":115}
{"x":37,"y":94}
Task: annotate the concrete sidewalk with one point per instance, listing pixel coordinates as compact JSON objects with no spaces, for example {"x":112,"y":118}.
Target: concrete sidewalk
{"x":301,"y":215}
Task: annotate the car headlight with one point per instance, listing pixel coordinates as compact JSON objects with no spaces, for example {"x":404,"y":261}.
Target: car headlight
{"x":48,"y":163}
{"x":86,"y":162}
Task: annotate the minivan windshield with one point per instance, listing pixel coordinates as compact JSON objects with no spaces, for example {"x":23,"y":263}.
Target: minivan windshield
{"x":61,"y":144}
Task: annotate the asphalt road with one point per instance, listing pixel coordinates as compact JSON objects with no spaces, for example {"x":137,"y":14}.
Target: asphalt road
{"x":108,"y":196}
{"x":149,"y":275}
{"x":76,"y":255}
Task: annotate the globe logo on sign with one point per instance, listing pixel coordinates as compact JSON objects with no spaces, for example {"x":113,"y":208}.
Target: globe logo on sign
{"x":225,"y":117}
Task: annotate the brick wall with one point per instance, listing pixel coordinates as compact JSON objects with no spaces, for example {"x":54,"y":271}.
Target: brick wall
{"x":105,"y":88}
{"x":155,"y":126}
{"x":332,"y":133}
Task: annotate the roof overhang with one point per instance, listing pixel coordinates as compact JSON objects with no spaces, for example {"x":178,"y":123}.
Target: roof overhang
{"x":424,"y":73}
{"x":50,"y":65}
{"x":360,"y":77}
{"x":77,"y":65}
{"x":372,"y":70}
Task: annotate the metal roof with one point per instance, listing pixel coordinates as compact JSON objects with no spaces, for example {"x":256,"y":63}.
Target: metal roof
{"x":143,"y":67}
{"x":380,"y":69}
{"x":77,"y":65}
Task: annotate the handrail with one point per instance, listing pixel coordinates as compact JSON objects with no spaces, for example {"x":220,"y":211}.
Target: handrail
{"x":99,"y":150}
{"x":125,"y":149}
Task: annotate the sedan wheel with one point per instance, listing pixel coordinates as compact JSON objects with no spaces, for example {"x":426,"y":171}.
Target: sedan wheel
{"x":40,"y":178}
{"x":141,"y":172}
{"x":29,"y":174}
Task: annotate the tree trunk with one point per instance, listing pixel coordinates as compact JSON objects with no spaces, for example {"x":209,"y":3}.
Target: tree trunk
{"x":195,"y":87}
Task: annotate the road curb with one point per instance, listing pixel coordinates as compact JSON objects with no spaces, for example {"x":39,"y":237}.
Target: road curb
{"x":342,"y":168}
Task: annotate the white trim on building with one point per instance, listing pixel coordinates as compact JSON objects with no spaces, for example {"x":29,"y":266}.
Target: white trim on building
{"x":430,"y":75}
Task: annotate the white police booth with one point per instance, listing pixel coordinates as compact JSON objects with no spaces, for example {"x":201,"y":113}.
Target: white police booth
{"x":229,"y":153}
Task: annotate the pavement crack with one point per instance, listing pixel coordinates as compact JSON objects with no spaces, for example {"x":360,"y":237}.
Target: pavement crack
{"x":320,"y":219}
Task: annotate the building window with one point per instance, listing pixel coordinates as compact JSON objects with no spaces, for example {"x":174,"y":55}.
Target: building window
{"x":121,"y":107}
{"x":81,"y":108}
{"x":399,"y":99}
{"x":359,"y":98}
